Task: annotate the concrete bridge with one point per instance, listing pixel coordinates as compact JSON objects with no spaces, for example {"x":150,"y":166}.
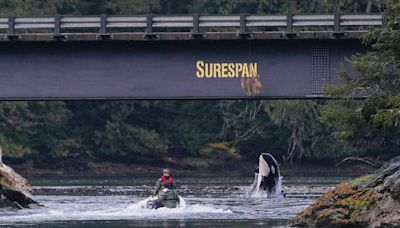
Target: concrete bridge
{"x":177,"y":56}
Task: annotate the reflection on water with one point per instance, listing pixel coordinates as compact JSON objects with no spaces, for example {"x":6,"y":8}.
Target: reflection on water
{"x":118,"y":201}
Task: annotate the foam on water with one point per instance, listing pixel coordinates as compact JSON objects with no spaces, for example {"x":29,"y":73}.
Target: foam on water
{"x":139,"y":209}
{"x":252,"y":192}
{"x":136,"y":210}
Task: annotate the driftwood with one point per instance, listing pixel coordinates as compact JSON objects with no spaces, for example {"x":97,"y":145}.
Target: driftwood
{"x":15,"y":191}
{"x":367,"y":160}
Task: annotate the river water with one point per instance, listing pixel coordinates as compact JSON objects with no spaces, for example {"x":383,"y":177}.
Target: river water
{"x":215,"y":201}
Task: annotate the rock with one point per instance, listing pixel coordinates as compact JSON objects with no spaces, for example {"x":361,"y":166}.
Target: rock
{"x":15,"y":191}
{"x":369,"y":201}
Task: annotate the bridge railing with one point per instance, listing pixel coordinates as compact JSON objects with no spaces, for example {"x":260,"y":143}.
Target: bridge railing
{"x":197,"y":24}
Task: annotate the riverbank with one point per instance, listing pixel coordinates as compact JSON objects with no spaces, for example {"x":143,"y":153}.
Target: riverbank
{"x":369,"y":201}
{"x":240,"y":168}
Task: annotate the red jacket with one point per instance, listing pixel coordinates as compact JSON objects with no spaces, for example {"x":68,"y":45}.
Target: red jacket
{"x":164,"y":179}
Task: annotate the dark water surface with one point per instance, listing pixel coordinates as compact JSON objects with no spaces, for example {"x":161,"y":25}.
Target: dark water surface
{"x":212,"y":201}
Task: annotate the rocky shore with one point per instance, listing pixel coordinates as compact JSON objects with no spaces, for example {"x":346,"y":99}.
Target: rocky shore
{"x":369,"y":201}
{"x":15,"y":191}
{"x":239,"y":168}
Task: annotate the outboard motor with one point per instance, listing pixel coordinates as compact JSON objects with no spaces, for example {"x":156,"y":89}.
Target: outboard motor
{"x":151,"y":204}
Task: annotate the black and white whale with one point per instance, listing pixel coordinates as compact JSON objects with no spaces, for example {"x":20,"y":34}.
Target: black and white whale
{"x":267,"y":175}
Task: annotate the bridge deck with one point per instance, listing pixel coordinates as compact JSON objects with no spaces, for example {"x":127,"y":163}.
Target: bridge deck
{"x":185,"y":36}
{"x":190,"y":69}
{"x":185,"y":27}
{"x":300,"y":59}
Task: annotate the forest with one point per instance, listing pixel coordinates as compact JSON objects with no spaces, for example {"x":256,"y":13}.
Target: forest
{"x":143,"y":131}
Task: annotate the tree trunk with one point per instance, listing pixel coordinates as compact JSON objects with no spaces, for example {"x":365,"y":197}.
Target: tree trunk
{"x":369,"y":7}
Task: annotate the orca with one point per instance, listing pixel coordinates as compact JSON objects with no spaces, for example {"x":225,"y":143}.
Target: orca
{"x":267,"y":175}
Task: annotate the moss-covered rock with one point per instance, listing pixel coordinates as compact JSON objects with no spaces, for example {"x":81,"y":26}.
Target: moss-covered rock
{"x":368,"y":201}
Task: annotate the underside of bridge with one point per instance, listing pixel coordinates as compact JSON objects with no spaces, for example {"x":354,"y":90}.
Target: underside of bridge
{"x":190,"y":69}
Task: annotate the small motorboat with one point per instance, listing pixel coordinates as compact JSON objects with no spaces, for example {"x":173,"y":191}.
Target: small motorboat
{"x":168,"y":198}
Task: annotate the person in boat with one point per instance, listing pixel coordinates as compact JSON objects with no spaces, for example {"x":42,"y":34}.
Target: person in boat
{"x":165,"y":191}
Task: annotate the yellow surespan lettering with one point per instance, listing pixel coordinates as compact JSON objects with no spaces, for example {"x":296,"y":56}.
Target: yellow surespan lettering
{"x":200,"y":70}
{"x":217,"y":70}
{"x":208,"y":70}
{"x":245,"y":72}
{"x":226,"y":70}
{"x":253,"y":70}
{"x":231,"y":70}
{"x":239,"y":68}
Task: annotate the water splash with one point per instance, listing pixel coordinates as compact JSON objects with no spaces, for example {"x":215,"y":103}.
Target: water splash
{"x":183,"y":208}
{"x":136,"y":210}
{"x":276,"y":192}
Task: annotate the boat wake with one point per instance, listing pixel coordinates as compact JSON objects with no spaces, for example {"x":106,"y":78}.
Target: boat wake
{"x":136,"y":211}
{"x":140,"y":207}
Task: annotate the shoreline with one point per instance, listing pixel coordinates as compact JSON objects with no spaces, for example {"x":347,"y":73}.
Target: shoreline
{"x":243,"y":168}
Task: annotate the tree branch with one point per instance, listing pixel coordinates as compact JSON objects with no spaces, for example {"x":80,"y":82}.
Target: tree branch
{"x":367,"y":160}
